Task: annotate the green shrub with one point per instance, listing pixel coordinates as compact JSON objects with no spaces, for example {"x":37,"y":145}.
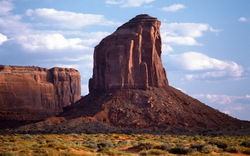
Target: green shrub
{"x":179,"y":150}
{"x":246,"y":151}
{"x":219,"y":144}
{"x":123,"y":143}
{"x":47,"y":152}
{"x":209,"y":148}
{"x":27,"y":137}
{"x":246,"y":144}
{"x":197,"y":147}
{"x":153,"y":152}
{"x":232,"y":149}
{"x":90,"y":144}
{"x":9,"y":154}
{"x":108,"y":151}
{"x":165,"y":147}
{"x":105,"y":145}
{"x":144,"y":146}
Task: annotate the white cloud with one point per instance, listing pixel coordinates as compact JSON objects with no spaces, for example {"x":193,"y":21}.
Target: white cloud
{"x":219,"y":99}
{"x":114,"y":2}
{"x":50,"y":42}
{"x":83,"y":58}
{"x":44,"y":40}
{"x":205,"y":67}
{"x":166,"y":49}
{"x":181,"y":40}
{"x":174,"y":8}
{"x":184,"y":33}
{"x":3,"y":38}
{"x":128,"y":3}
{"x":5,"y":7}
{"x":227,"y":103}
{"x":66,"y":19}
{"x":12,"y":25}
{"x":75,"y":66}
{"x":243,"y":19}
{"x":187,"y":29}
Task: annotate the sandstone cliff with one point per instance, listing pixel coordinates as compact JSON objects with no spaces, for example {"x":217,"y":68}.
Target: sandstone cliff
{"x":130,"y":57}
{"x":33,"y":93}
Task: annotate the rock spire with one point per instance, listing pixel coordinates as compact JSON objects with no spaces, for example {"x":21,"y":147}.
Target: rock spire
{"x":130,"y":57}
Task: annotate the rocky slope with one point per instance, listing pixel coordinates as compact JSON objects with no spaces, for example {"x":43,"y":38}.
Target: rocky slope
{"x":33,"y":93}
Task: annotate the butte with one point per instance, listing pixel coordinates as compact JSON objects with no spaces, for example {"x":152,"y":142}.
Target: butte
{"x":129,"y":87}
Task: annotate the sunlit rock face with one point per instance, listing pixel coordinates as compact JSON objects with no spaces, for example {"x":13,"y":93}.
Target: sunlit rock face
{"x":37,"y":91}
{"x":130,"y":57}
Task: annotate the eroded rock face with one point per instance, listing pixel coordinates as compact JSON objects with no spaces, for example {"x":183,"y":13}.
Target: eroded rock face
{"x":32,"y":93}
{"x":130,"y":57}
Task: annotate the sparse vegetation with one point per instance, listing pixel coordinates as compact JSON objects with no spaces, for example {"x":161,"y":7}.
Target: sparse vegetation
{"x":122,"y":144}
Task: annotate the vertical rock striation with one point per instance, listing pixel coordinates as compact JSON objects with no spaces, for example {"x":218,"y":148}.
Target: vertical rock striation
{"x":130,"y":57}
{"x":37,"y":91}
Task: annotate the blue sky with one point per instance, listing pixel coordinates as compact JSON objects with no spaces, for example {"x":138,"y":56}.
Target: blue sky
{"x":206,"y":48}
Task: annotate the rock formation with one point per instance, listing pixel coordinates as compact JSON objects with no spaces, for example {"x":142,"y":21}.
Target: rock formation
{"x":129,"y":90}
{"x":33,"y":93}
{"x":130,"y":57}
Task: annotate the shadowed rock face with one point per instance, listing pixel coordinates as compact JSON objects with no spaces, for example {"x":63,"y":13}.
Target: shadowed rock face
{"x":130,"y":57}
{"x":32,"y":93}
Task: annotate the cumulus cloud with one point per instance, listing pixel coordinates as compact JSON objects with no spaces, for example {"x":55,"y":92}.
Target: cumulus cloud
{"x":184,"y":33}
{"x":49,"y":42}
{"x":66,"y":19}
{"x":83,"y":58}
{"x":5,"y":7}
{"x":33,"y":40}
{"x":188,"y":29}
{"x":243,"y":19}
{"x":166,"y":49}
{"x":181,"y":40}
{"x":205,"y":67}
{"x":174,"y":7}
{"x":227,"y":103}
{"x":3,"y":38}
{"x":128,"y":3}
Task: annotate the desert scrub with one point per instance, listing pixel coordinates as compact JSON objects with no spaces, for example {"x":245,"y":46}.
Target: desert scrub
{"x":219,"y":144}
{"x":209,"y":149}
{"x":153,"y":152}
{"x":197,"y":147}
{"x":234,"y":149}
{"x":143,"y":146}
{"x":123,"y":143}
{"x":245,"y":144}
{"x":246,"y":151}
{"x":118,"y":144}
{"x":179,"y":150}
{"x":164,"y":146}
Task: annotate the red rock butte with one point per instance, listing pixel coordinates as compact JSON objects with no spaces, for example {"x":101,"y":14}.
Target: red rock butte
{"x":130,"y":57}
{"x":33,"y":93}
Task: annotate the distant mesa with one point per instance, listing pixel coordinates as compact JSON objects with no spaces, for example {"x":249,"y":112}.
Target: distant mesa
{"x":34,"y":93}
